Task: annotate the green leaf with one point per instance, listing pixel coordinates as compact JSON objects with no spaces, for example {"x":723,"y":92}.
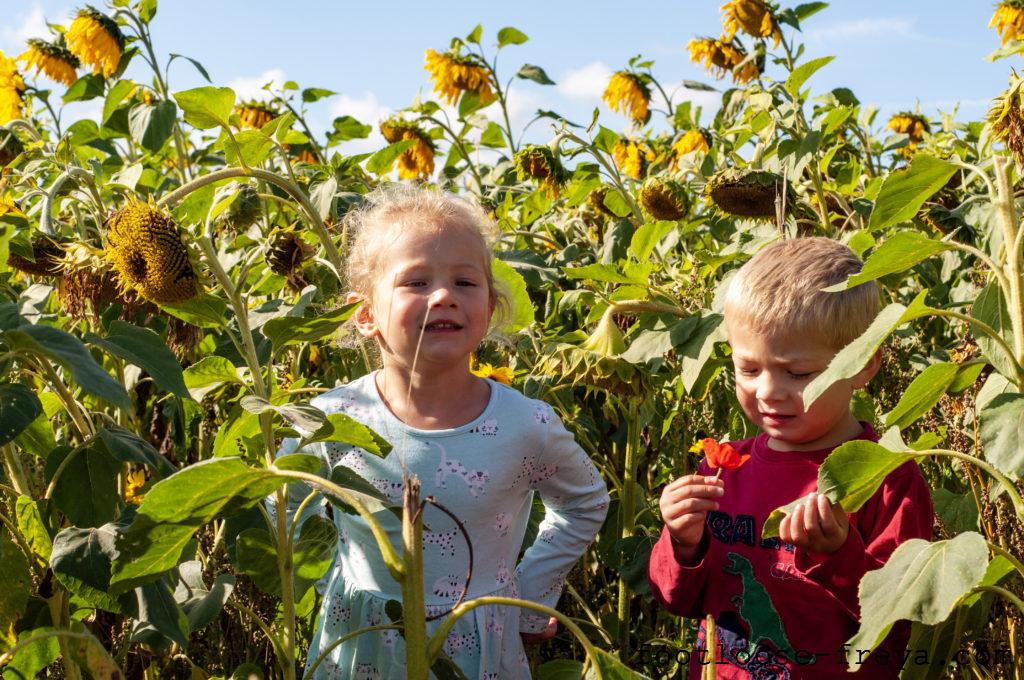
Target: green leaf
{"x":990,"y":308}
{"x":560,"y":669}
{"x":304,"y":417}
{"x":86,"y":87}
{"x":492,"y":136}
{"x":315,"y":94}
{"x":81,"y":562}
{"x":905,"y":191}
{"x":607,"y":667}
{"x":850,"y":360}
{"x":339,"y":427}
{"x":922,"y":394}
{"x":29,"y":515}
{"x":34,"y":657}
{"x":521,"y":312}
{"x":284,"y":331}
{"x":534,"y":73}
{"x":15,"y":583}
{"x":254,"y":147}
{"x":209,"y":373}
{"x":604,"y":273}
{"x":151,"y":125}
{"x":511,"y":36}
{"x":38,"y":438}
{"x":147,"y":10}
{"x":239,"y":435}
{"x":86,"y":490}
{"x":199,"y":67}
{"x":127,"y":447}
{"x":347,"y":127}
{"x":201,"y":604}
{"x":256,"y":557}
{"x":1001,"y":428}
{"x":322,"y":196}
{"x":808,"y":9}
{"x":801,"y":73}
{"x":19,"y":406}
{"x":966,"y":375}
{"x":898,"y":253}
{"x":475,"y":34}
{"x":647,"y":237}
{"x":605,"y":140}
{"x":159,"y":613}
{"x":349,"y":479}
{"x":205,"y":311}
{"x":958,"y":512}
{"x":929,"y":577}
{"x":206,"y":107}
{"x":381,"y":162}
{"x":115,"y":95}
{"x":614,"y":201}
{"x":145,"y":349}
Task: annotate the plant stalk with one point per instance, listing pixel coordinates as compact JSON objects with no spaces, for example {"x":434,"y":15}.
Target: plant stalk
{"x":414,"y":612}
{"x":627,"y":516}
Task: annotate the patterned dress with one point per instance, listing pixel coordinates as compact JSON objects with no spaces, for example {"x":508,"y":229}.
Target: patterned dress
{"x":486,"y":473}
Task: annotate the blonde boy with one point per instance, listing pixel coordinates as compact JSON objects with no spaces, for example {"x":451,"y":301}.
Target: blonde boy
{"x":785,"y":608}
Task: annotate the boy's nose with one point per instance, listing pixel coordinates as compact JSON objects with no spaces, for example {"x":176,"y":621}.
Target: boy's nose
{"x":769,"y":388}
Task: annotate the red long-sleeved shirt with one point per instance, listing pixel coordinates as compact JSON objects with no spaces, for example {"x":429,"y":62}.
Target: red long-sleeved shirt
{"x":814,"y":596}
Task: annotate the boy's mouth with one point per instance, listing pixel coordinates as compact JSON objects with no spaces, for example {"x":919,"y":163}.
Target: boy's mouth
{"x":777,"y":417}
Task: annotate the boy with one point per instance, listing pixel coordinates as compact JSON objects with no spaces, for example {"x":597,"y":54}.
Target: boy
{"x":785,"y":609}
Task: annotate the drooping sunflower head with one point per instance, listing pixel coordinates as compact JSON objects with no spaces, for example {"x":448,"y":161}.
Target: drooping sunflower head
{"x":255,"y":114}
{"x":720,"y":56}
{"x":1007,"y":118}
{"x":629,"y":94}
{"x":96,"y":39}
{"x":88,"y":283}
{"x":286,"y":255}
{"x":664,"y":199}
{"x":595,"y":199}
{"x":10,"y":147}
{"x":243,"y":211}
{"x":1008,"y":20}
{"x":52,"y":59}
{"x":147,"y":250}
{"x":47,"y":256}
{"x":595,"y":363}
{"x":747,"y":193}
{"x":12,"y":90}
{"x":454,"y":74}
{"x":418,"y":160}
{"x":632,"y":157}
{"x":542,"y":165}
{"x":753,"y":17}
{"x":913,"y":125}
{"x":693,"y":140}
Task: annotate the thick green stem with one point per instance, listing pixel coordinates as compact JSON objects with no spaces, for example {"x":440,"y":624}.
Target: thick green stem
{"x":1011,"y":558}
{"x":1007,"y":213}
{"x":15,"y":472}
{"x":1002,"y":592}
{"x":627,"y":516}
{"x":414,"y":611}
{"x":57,"y":616}
{"x":78,"y":417}
{"x":1011,"y":489}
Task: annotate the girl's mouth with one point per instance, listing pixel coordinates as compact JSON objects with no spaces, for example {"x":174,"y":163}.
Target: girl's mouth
{"x":442,"y":326}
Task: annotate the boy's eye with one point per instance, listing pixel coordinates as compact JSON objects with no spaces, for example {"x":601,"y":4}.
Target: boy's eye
{"x":748,"y":371}
{"x":800,"y":376}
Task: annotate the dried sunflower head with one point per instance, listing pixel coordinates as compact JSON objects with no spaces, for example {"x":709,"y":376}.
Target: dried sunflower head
{"x":286,"y":255}
{"x":747,"y":193}
{"x":147,"y":251}
{"x":753,"y":17}
{"x":632,"y":157}
{"x":542,"y":165}
{"x":1008,"y":20}
{"x":664,"y":199}
{"x":53,"y":59}
{"x":243,"y":211}
{"x":96,"y":40}
{"x":255,"y":115}
{"x":47,"y":256}
{"x":88,"y":280}
{"x":12,"y":90}
{"x":595,"y":199}
{"x":913,"y":125}
{"x":1007,"y":119}
{"x":417,"y":161}
{"x":454,"y":74}
{"x":629,"y":94}
{"x":721,"y":56}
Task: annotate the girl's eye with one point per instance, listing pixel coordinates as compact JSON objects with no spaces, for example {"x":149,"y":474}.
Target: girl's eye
{"x":465,"y":282}
{"x":414,"y":284}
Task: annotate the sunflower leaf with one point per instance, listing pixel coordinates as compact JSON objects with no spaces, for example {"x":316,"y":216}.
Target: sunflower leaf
{"x":534,"y":73}
{"x":206,"y":107}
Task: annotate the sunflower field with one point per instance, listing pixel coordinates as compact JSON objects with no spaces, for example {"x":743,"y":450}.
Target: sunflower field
{"x":172,"y":296}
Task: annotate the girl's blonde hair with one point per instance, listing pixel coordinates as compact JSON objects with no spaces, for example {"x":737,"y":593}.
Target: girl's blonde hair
{"x":392,"y":210}
{"x":779,"y":292}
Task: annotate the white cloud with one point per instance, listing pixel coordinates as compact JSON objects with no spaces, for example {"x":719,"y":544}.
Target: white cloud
{"x":252,"y":88}
{"x":864,"y":28}
{"x":24,"y":25}
{"x":586,"y":83}
{"x":368,"y":110}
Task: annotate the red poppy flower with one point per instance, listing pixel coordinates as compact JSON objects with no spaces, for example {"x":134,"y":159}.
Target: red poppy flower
{"x":722,"y":455}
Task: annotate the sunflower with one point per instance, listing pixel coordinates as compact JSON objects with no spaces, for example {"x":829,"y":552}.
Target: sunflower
{"x":1007,"y":118}
{"x":148,"y":253}
{"x":502,"y":374}
{"x":286,"y":255}
{"x":747,"y":193}
{"x":720,"y":56}
{"x":454,"y":74}
{"x":754,"y":17}
{"x":632,"y":157}
{"x":46,"y":258}
{"x":693,"y":140}
{"x":1008,"y":20}
{"x":418,"y":161}
{"x":255,"y":114}
{"x":243,"y":211}
{"x":912,"y":125}
{"x":133,"y":483}
{"x":86,"y":278}
{"x":541,"y":164}
{"x":596,"y":201}
{"x":595,"y":364}
{"x":664,"y":199}
{"x":53,"y":59}
{"x":12,"y":90}
{"x":95,"y":38}
{"x":629,"y":94}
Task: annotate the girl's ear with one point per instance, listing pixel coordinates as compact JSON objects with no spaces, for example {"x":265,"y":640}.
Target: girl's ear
{"x":364,"y":320}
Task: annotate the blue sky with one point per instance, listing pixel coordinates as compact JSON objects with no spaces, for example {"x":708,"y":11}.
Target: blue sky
{"x":895,"y":55}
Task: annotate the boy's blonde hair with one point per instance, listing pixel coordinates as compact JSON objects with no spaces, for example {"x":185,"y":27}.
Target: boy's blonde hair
{"x":778,"y":292}
{"x":392,"y":210}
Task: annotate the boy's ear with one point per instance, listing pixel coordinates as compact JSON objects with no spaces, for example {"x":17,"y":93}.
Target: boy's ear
{"x":364,"y":320}
{"x":869,"y":371}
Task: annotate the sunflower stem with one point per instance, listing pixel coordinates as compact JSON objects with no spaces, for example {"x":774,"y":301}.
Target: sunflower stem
{"x":414,"y":613}
{"x":627,"y":516}
{"x":1007,"y":213}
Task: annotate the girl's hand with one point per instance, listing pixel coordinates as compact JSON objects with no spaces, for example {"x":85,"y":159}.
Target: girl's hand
{"x":684,"y":505}
{"x":544,"y":635}
{"x":816,"y":526}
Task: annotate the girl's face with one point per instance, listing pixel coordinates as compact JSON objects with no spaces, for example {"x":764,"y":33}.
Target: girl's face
{"x":434,"y":282}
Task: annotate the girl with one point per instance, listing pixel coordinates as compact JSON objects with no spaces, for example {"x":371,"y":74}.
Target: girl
{"x":421,"y":264}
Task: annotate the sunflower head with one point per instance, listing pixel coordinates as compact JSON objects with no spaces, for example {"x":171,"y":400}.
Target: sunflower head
{"x":664,"y":199}
{"x":720,"y":56}
{"x":913,"y":125}
{"x":542,"y":165}
{"x":52,"y":59}
{"x":134,"y":481}
{"x":747,"y":193}
{"x":1007,"y":118}
{"x":96,"y":39}
{"x":12,"y":90}
{"x":148,"y":253}
{"x":454,"y":74}
{"x":629,"y":94}
{"x":243,"y":211}
{"x":255,"y":115}
{"x":632,"y":157}
{"x":695,"y":140}
{"x":287,"y":253}
{"x":1008,"y":20}
{"x":10,"y":147}
{"x":595,"y":364}
{"x":88,"y":283}
{"x":47,"y":256}
{"x":753,"y":17}
{"x":595,"y":199}
{"x":418,"y":160}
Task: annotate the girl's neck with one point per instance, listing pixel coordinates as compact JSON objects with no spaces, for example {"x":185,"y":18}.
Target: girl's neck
{"x":435,"y":401}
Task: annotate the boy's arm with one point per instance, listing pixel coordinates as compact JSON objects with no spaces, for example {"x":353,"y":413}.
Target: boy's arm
{"x":575,"y":501}
{"x":900,"y":510}
{"x":677,"y":584}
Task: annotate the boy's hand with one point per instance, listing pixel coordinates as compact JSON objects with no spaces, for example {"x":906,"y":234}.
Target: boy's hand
{"x":816,"y":526}
{"x":544,"y":635}
{"x":684,"y":505}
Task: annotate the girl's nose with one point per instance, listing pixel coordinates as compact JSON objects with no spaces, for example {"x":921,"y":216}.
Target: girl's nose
{"x":439,"y":296}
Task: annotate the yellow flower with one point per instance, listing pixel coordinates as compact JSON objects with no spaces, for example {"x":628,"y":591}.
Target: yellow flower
{"x":693,"y":140}
{"x":134,"y":481}
{"x":628,"y":93}
{"x":1008,"y":20}
{"x":95,"y":38}
{"x":754,"y":17}
{"x":723,"y":56}
{"x":913,"y":126}
{"x":418,"y":161}
{"x":255,"y":114}
{"x":1006,"y":117}
{"x":502,"y":374}
{"x":148,"y":253}
{"x":632,"y":157}
{"x":56,"y":61}
{"x":541,"y":164}
{"x":12,"y":90}
{"x":454,"y":74}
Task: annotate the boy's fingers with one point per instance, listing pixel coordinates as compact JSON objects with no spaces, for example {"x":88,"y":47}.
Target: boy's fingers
{"x":689,"y":506}
{"x":812,"y":520}
{"x":796,"y":526}
{"x":828,"y":518}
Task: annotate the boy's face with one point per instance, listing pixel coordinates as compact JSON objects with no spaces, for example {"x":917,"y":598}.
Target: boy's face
{"x":771,"y":374}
